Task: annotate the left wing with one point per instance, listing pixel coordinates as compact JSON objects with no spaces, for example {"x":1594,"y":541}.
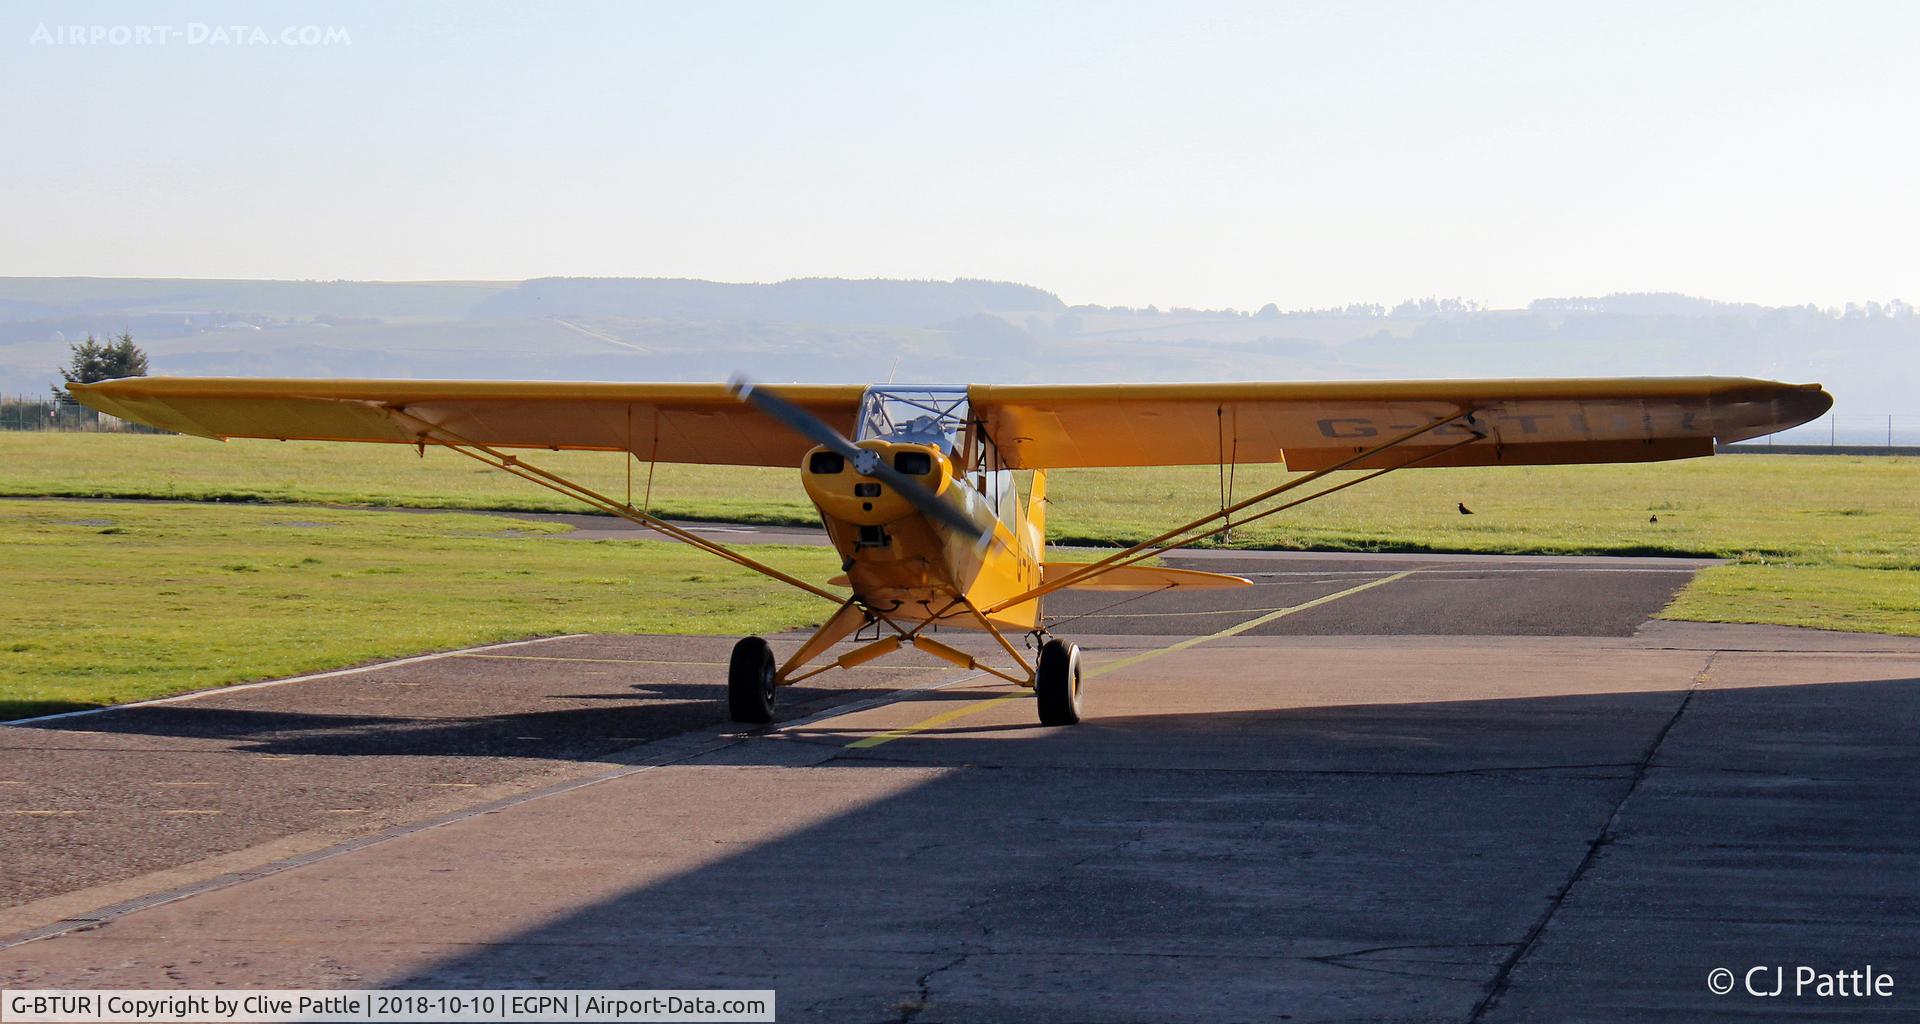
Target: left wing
{"x":1313,"y":425}
{"x":702,"y":423}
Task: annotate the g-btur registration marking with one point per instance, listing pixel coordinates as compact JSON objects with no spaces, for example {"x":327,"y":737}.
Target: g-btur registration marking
{"x":1576,"y":424}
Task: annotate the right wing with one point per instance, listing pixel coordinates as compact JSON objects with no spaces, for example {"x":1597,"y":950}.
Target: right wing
{"x":1315,"y":424}
{"x":702,"y":423}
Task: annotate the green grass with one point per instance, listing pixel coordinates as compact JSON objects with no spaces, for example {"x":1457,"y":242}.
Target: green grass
{"x":1826,"y":541}
{"x":193,"y":469}
{"x":1817,"y":510}
{"x":105,"y":603}
{"x":1825,"y":597}
{"x":1829,"y":542}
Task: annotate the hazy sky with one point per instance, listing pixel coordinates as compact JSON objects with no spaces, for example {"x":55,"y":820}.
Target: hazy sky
{"x":1180,"y":154}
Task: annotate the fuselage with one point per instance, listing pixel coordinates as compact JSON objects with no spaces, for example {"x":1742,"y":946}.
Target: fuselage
{"x":909,"y":567}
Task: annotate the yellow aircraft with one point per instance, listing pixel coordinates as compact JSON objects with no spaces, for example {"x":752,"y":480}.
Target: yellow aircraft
{"x":916,"y":486}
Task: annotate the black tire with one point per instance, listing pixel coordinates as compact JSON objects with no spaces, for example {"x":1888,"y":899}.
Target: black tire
{"x":1057,"y":683}
{"x":750,"y":682}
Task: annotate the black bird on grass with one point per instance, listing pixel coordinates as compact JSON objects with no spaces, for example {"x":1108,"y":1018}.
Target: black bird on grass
{"x":1653,"y":518}
{"x":1464,"y":510}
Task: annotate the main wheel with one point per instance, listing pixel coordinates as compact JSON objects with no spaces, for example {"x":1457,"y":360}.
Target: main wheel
{"x":750,"y":681}
{"x":1057,"y":683}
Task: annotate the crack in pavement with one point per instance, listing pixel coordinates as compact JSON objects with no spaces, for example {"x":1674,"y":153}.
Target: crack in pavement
{"x":911,"y":1008}
{"x":1340,"y":959}
{"x":1503,"y":977}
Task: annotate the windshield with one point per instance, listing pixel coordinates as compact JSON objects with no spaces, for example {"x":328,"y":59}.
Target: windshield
{"x":933,"y":416}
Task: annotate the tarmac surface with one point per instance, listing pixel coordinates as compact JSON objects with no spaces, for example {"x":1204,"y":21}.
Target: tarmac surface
{"x":1405,"y":788}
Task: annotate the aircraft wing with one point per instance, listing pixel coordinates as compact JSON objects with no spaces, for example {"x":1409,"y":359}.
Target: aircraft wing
{"x":1313,"y":425}
{"x":1306,"y":425}
{"x":667,"y":422}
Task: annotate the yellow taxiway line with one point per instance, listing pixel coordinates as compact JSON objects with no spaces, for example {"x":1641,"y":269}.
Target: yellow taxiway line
{"x":1234,"y":630}
{"x":940,"y":719}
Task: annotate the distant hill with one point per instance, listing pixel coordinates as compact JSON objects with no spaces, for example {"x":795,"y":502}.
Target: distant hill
{"x":817,"y":300}
{"x":73,"y":296}
{"x":809,"y":300}
{"x":833,"y":330}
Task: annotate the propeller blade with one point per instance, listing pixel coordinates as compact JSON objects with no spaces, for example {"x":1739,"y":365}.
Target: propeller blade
{"x":799,"y":420}
{"x":926,"y":501}
{"x":866,"y":461}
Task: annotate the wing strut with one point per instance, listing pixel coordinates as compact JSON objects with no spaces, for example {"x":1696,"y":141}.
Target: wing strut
{"x":433,"y":433}
{"x":1184,"y":534}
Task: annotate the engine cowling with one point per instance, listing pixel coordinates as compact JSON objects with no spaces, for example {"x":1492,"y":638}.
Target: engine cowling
{"x":841,"y":491}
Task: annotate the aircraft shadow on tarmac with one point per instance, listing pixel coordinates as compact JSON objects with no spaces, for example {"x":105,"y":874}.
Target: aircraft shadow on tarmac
{"x":1380,"y":860}
{"x":650,"y":711}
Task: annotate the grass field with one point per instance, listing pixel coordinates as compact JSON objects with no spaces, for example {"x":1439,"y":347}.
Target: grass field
{"x":1813,"y":510}
{"x":1824,"y":541}
{"x":103,"y":603}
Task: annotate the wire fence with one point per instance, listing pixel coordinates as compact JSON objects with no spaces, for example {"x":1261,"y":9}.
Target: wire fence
{"x":30,"y":412}
{"x":1884,"y":430}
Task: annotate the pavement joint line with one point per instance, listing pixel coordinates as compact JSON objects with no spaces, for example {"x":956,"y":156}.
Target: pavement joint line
{"x":703,"y":743}
{"x":238,"y":687}
{"x":951,"y":714}
{"x":1169,"y":615}
{"x":1608,"y":770}
{"x":937,"y":720}
{"x":1439,"y":573}
{"x":596,"y":661}
{"x":95,"y":918}
{"x":1253,"y":623}
{"x":892,"y":697}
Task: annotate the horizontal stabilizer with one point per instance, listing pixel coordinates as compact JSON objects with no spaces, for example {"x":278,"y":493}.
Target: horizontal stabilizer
{"x":1142,"y":577}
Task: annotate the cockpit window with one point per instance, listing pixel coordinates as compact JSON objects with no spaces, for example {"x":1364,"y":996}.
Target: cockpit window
{"x":935,"y":416}
{"x":924,"y":430}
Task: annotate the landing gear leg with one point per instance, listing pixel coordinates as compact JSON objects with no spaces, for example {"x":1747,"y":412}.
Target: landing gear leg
{"x":1057,"y":683}
{"x":750,"y":682}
